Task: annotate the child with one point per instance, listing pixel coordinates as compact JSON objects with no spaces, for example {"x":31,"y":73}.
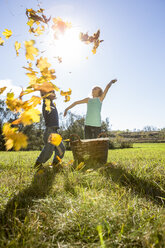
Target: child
{"x":52,"y":125}
{"x":93,"y":116}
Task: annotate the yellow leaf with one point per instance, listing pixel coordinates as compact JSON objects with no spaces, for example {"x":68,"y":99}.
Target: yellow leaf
{"x":55,"y":139}
{"x":65,"y":93}
{"x":30,"y":116}
{"x":2,"y":90}
{"x":12,"y":103}
{"x":9,"y":144}
{"x":30,"y":49}
{"x":7,"y":33}
{"x":17,"y":47}
{"x":67,"y":99}
{"x":47,"y":103}
{"x":94,"y":50}
{"x":1,"y":41}
{"x":14,"y":138}
{"x":42,"y":63}
{"x":80,"y":166}
{"x":45,"y":87}
{"x":30,"y":22}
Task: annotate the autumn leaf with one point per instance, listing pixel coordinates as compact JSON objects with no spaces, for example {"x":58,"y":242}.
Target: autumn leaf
{"x":80,"y":166}
{"x":7,"y":33}
{"x":59,"y":159}
{"x":30,"y":49}
{"x":28,"y":117}
{"x":2,"y":90}
{"x":45,"y":87}
{"x":91,"y":39}
{"x":17,"y":47}
{"x":59,"y":26}
{"x":42,"y":63}
{"x":12,"y":103}
{"x":1,"y":41}
{"x":14,"y":138}
{"x":55,"y":139}
{"x":67,"y":99}
{"x":65,"y":93}
{"x":47,"y":103}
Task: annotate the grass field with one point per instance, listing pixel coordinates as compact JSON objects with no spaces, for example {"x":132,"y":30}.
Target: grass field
{"x":120,"y":204}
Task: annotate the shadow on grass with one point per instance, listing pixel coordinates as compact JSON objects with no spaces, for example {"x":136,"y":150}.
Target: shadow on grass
{"x":140,"y":186}
{"x":17,"y":207}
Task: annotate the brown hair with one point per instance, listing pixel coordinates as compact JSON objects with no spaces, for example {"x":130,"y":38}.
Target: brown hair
{"x":100,"y":90}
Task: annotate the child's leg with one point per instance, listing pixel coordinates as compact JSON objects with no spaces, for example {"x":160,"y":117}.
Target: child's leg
{"x":48,"y":149}
{"x":59,"y":151}
{"x":88,"y":132}
{"x":95,"y":132}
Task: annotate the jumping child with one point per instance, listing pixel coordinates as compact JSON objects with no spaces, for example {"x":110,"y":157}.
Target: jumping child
{"x":93,"y":115}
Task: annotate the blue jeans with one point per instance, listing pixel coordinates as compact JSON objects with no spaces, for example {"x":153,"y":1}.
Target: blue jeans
{"x":48,"y":149}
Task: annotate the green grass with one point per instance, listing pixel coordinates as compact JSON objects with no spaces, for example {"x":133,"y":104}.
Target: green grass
{"x":120,"y":204}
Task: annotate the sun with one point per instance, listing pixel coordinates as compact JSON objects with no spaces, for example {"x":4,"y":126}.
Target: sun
{"x":69,"y":47}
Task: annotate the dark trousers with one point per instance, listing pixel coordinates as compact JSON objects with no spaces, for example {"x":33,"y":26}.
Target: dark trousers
{"x":92,"y":132}
{"x":48,"y":149}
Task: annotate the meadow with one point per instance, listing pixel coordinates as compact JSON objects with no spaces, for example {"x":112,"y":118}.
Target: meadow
{"x":119,"y":204}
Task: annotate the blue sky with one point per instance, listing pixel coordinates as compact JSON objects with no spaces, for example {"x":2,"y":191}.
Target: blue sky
{"x":133,"y":51}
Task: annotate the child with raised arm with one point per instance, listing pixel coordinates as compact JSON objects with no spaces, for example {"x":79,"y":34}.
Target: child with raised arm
{"x":93,"y":115}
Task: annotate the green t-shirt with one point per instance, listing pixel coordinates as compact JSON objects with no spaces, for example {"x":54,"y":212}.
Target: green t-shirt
{"x":93,"y":116}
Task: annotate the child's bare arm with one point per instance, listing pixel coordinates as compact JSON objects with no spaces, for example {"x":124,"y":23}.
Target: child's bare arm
{"x":85,"y":100}
{"x":107,"y":88}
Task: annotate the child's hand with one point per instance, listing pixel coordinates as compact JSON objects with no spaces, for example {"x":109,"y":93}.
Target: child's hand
{"x":65,"y":112}
{"x":113,"y":81}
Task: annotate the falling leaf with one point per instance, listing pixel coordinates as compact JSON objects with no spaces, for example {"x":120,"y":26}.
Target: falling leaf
{"x":91,"y":39}
{"x":30,"y":49}
{"x":7,"y":33}
{"x":65,"y":93}
{"x":47,"y":103}
{"x":2,"y":90}
{"x":45,"y":87}
{"x":59,"y":26}
{"x":17,"y":47}
{"x":55,"y":139}
{"x":14,"y":138}
{"x":1,"y":41}
{"x":67,"y":99}
{"x":42,"y":63}
{"x":59,"y":159}
{"x":28,"y":117}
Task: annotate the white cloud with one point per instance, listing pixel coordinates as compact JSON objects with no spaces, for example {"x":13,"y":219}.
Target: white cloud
{"x":10,"y":87}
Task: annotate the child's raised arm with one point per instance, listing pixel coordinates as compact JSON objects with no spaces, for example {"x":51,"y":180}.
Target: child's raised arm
{"x":107,"y":88}
{"x":85,"y":100}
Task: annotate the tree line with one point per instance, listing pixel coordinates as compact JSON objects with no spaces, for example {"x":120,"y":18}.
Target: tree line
{"x":72,"y":124}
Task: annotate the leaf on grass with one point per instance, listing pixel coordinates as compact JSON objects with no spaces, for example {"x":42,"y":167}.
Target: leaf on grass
{"x":80,"y":166}
{"x":7,"y":33}
{"x":17,"y":47}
